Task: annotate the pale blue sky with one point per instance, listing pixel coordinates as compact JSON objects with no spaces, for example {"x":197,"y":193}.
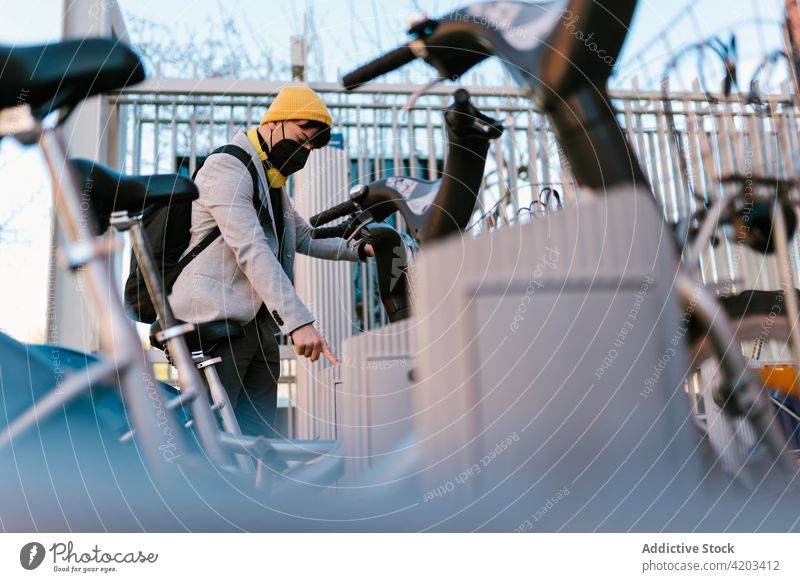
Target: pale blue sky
{"x":348,"y":33}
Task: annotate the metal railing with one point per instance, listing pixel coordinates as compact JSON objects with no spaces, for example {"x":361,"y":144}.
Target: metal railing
{"x":170,"y":123}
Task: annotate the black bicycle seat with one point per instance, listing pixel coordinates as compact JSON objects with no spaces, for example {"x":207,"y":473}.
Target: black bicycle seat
{"x":109,"y":191}
{"x":52,"y":76}
{"x":205,"y":335}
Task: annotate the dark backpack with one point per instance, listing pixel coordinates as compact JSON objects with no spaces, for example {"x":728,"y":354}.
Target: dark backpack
{"x":167,"y":231}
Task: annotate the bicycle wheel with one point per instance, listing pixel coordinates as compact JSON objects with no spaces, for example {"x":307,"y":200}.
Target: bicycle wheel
{"x":762,"y":332}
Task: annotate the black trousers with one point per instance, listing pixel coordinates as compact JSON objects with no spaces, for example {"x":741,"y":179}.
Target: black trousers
{"x":249,"y":370}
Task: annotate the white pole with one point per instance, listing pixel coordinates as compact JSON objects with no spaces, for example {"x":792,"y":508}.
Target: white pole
{"x":324,"y":286}
{"x":91,"y":132}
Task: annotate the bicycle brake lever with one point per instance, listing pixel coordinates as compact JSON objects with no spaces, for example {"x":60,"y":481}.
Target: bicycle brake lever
{"x":358,"y":225}
{"x":416,"y":94}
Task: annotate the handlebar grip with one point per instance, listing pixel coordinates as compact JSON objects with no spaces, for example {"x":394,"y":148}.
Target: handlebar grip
{"x":462,"y":103}
{"x":463,"y":115}
{"x":337,"y":231}
{"x":387,"y":63}
{"x":332,"y":214}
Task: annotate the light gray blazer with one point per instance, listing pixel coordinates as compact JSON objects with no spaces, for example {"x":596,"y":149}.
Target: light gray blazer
{"x":240,"y":270}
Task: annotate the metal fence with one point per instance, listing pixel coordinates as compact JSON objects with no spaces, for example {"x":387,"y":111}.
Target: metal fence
{"x":685,"y":143}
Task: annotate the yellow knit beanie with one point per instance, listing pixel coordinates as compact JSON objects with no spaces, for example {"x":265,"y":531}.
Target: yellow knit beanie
{"x":296,"y":102}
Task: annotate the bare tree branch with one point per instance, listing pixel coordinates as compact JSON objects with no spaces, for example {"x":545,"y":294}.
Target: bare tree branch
{"x":220,"y":52}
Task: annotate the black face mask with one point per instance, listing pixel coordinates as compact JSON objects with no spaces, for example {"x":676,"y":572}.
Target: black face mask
{"x":287,"y":156}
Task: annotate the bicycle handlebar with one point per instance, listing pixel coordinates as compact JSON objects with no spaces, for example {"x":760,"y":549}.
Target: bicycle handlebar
{"x":558,"y":71}
{"x":386,"y":63}
{"x":331,"y":214}
{"x":337,"y":231}
{"x":440,"y":207}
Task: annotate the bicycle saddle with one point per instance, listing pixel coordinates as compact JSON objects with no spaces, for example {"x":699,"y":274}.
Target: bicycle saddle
{"x":51,"y":76}
{"x":109,"y":191}
{"x":205,"y":335}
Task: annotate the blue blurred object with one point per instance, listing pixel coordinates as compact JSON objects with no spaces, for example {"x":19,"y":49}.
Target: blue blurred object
{"x":337,"y":141}
{"x":788,"y":423}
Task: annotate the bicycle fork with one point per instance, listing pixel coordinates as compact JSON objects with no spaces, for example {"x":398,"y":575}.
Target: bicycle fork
{"x":740,"y":392}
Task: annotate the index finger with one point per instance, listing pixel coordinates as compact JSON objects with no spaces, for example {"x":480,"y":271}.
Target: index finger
{"x":327,"y":353}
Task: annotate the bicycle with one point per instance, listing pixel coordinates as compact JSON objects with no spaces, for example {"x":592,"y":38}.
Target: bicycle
{"x":760,"y":216}
{"x":54,"y":83}
{"x":54,"y":432}
{"x":119,"y":202}
{"x":564,"y":78}
{"x":431,"y":210}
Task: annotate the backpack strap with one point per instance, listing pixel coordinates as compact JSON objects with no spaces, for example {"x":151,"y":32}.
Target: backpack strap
{"x":244,"y":157}
{"x":241,"y":155}
{"x":199,"y":248}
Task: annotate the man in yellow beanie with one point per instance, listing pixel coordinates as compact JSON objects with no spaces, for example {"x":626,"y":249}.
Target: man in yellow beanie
{"x":245,"y":273}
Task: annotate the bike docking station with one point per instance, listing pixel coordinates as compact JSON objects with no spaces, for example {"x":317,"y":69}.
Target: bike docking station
{"x":427,"y":437}
{"x":627,"y":459}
